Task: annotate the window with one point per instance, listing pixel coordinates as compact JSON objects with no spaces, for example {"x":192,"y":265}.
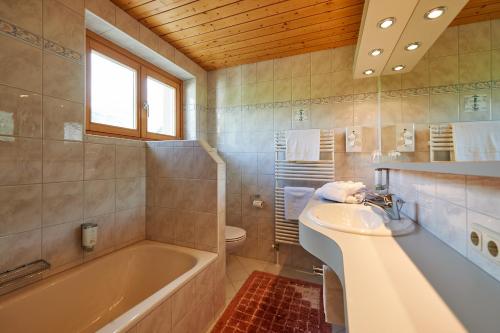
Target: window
{"x":127,"y":96}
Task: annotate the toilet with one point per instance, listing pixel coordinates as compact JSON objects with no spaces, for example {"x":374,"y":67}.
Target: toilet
{"x":235,"y":237}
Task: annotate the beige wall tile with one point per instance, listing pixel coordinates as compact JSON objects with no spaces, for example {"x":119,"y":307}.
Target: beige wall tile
{"x":249,"y":94}
{"x":62,"y":161}
{"x":20,"y":249}
{"x":343,"y":83}
{"x":130,"y":162}
{"x":160,"y":224}
{"x":130,"y":193}
{"x":282,"y":90}
{"x":321,"y":116}
{"x":282,"y":68}
{"x":483,"y":195}
{"x":443,"y":70}
{"x":495,"y":34}
{"x":391,"y":82}
{"x":21,"y":113}
{"x":495,"y":104}
{"x":264,"y":92}
{"x":204,"y":167}
{"x":99,"y":197}
{"x":446,"y":44}
{"x":301,"y":65}
{"x":475,"y":67}
{"x":127,"y":24}
{"x":181,"y":302}
{"x":104,"y":9}
{"x":264,"y":71}
{"x":168,"y":51}
{"x":451,"y":188}
{"x":20,"y":65}
{"x":364,"y":113}
{"x":57,"y":70}
{"x":415,"y":109}
{"x":62,"y":202}
{"x":25,"y":14}
{"x":301,"y":88}
{"x":61,"y":244}
{"x":474,"y":37}
{"x":390,"y":110}
{"x":160,"y":320}
{"x":99,"y":161}
{"x":367,"y":85}
{"x":205,"y":231}
{"x":63,"y":26}
{"x":495,"y":65}
{"x":321,"y":62}
{"x":76,"y":5}
{"x":130,"y":225}
{"x":148,"y":38}
{"x":62,"y":120}
{"x":418,"y":77}
{"x":343,"y":114}
{"x":343,"y":58}
{"x":248,"y":73}
{"x":321,"y":85}
{"x":234,"y":76}
{"x":20,"y":208}
{"x":20,"y":161}
{"x":444,"y":108}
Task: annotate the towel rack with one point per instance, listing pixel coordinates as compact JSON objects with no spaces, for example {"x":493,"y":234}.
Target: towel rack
{"x":297,"y":173}
{"x":441,"y":143}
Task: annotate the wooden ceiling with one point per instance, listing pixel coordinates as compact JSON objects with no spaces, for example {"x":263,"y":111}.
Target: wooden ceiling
{"x":223,"y":33}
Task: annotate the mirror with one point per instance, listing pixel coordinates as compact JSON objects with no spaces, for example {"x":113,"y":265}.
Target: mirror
{"x":448,"y":106}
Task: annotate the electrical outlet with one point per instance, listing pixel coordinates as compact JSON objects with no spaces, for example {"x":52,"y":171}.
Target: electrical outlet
{"x":491,"y":247}
{"x":476,"y":238}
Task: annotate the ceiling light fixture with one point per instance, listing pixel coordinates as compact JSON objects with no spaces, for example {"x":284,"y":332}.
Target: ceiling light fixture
{"x":386,"y":23}
{"x":412,"y":46}
{"x":376,"y":52}
{"x":398,"y":68}
{"x":369,"y":71}
{"x":435,"y":13}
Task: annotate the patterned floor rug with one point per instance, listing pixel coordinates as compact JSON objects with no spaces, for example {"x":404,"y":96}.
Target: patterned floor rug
{"x":270,"y":303}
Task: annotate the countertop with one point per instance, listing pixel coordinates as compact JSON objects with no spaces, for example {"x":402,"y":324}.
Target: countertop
{"x":412,"y":283}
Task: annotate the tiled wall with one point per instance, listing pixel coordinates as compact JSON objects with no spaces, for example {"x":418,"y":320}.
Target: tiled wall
{"x":183,"y":194}
{"x":447,"y":206}
{"x":247,"y":103}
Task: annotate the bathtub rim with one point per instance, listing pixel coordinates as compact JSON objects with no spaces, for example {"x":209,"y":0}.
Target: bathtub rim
{"x":133,"y":316}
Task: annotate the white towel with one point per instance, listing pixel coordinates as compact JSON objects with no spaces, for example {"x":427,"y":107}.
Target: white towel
{"x":296,"y":199}
{"x":348,"y":192}
{"x":303,"y":145}
{"x":477,"y":141}
{"x":333,"y":298}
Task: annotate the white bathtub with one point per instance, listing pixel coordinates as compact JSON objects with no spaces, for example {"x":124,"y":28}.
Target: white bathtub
{"x":109,"y":294}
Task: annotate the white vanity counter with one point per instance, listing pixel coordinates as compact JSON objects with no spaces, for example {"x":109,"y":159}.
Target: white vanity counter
{"x":412,"y":283}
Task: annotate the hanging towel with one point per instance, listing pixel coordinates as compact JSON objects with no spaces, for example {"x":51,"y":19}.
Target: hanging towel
{"x":477,"y":141}
{"x":333,"y":298}
{"x":348,"y":192}
{"x":303,"y":145}
{"x":296,"y":199}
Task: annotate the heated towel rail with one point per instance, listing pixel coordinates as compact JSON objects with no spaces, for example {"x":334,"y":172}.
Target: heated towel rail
{"x":291,"y":173}
{"x":441,"y":143}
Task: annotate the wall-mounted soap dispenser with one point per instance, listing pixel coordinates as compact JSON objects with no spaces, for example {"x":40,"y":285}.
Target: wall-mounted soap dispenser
{"x":354,"y":139}
{"x":405,"y":137}
{"x":89,"y":236}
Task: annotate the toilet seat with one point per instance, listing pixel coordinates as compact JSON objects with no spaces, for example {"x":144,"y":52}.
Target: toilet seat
{"x":235,"y":237}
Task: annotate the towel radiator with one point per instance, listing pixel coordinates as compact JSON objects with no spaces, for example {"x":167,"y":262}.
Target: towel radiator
{"x":295,"y":173}
{"x":441,"y":143}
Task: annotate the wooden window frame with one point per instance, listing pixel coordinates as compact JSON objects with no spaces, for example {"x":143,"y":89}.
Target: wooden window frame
{"x":143,"y":70}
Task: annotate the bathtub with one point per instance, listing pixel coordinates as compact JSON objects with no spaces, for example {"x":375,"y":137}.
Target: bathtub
{"x":109,"y":294}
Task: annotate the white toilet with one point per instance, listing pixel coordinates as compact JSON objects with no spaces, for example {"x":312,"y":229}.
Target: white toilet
{"x":235,"y":237}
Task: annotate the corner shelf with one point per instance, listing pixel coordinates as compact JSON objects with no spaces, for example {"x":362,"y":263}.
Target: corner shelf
{"x":484,"y":169}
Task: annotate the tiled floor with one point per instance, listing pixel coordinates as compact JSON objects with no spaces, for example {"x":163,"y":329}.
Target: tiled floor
{"x":239,"y":269}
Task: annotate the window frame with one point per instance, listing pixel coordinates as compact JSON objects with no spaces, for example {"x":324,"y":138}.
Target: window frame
{"x":143,"y":69}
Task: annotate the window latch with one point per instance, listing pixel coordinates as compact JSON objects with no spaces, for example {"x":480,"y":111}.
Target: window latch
{"x":145,"y":107}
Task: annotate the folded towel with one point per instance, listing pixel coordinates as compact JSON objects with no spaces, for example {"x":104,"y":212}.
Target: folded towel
{"x":348,"y":192}
{"x":303,"y":145}
{"x":477,"y":141}
{"x":333,"y":298}
{"x":296,"y":199}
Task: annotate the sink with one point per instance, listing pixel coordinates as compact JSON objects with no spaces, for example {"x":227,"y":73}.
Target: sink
{"x":359,"y":219}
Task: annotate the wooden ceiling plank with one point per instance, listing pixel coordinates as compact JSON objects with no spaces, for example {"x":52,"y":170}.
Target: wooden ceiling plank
{"x":211,"y":15}
{"x":332,"y":19}
{"x":224,"y":28}
{"x":296,"y":45}
{"x":305,"y":37}
{"x":127,"y":4}
{"x":478,"y":3}
{"x":330,"y":27}
{"x":218,"y":64}
{"x":155,"y":7}
{"x":476,"y":18}
{"x":183,"y":12}
{"x":479,"y":10}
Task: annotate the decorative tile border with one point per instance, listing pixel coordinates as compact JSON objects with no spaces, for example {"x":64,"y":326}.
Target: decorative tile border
{"x":426,"y":91}
{"x":25,"y":36}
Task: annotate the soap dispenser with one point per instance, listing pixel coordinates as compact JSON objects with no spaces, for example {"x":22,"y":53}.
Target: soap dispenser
{"x":89,"y":236}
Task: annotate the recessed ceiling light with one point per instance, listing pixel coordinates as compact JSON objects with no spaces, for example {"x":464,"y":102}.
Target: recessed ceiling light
{"x":386,"y":23}
{"x":376,"y":52}
{"x":435,"y":13}
{"x":412,"y":46}
{"x":398,"y":68}
{"x":369,"y":71}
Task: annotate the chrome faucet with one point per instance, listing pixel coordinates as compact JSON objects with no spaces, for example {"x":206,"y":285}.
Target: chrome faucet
{"x":388,"y":202}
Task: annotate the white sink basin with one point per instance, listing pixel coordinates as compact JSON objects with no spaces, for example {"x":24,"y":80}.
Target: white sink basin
{"x":359,"y":219}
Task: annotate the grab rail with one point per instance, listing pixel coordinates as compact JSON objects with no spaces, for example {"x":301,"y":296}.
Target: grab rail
{"x":20,"y":276}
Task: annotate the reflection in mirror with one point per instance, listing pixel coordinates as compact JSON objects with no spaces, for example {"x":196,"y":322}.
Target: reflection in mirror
{"x":451,"y":98}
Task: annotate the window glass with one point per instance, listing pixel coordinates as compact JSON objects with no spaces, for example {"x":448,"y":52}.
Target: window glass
{"x":113,"y":92}
{"x":161,"y":107}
